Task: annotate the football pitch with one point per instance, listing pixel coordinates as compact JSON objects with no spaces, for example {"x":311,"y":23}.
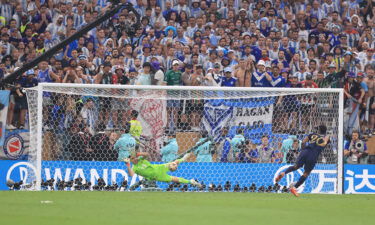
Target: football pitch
{"x":166,"y":208}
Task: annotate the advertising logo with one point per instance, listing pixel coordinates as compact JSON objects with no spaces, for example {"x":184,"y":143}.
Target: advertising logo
{"x":13,"y":146}
{"x":21,"y":171}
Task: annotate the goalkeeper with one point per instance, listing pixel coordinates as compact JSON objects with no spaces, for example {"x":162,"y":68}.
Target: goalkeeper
{"x":156,"y":172}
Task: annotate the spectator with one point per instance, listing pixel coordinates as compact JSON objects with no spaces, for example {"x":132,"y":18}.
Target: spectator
{"x":265,"y":151}
{"x":321,"y":38}
{"x":27,"y":81}
{"x":355,"y":150}
{"x":228,"y":80}
{"x":354,"y":94}
{"x":89,"y":114}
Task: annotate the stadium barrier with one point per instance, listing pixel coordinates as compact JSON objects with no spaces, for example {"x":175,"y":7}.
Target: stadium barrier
{"x":358,"y":178}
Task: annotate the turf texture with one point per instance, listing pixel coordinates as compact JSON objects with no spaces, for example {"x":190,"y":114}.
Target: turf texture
{"x":167,"y":208}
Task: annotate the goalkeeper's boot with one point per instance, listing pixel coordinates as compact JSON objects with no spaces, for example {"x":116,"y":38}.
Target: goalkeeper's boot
{"x":195,"y":183}
{"x":293,"y":190}
{"x":279,"y":177}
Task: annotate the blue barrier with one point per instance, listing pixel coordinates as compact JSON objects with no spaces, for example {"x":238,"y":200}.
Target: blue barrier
{"x":358,"y":178}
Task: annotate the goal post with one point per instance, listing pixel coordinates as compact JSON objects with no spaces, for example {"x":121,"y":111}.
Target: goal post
{"x":74,"y":129}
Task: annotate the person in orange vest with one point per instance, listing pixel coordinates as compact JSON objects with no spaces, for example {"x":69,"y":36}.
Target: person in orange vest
{"x":135,"y":125}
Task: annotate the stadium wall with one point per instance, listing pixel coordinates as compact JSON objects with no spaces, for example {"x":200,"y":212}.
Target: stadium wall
{"x":358,"y":178}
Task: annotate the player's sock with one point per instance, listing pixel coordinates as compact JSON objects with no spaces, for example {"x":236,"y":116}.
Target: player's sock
{"x":290,"y":169}
{"x":300,"y":181}
{"x":183,"y":181}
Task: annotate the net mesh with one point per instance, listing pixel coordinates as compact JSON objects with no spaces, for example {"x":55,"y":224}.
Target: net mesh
{"x":245,"y":138}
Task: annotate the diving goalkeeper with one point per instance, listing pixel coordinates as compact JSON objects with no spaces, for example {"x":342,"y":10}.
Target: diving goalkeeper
{"x":156,"y":172}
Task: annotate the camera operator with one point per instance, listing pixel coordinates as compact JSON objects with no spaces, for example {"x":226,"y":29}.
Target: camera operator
{"x":355,"y":151}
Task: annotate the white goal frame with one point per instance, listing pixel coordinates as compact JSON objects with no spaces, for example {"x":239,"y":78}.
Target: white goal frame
{"x":43,"y":86}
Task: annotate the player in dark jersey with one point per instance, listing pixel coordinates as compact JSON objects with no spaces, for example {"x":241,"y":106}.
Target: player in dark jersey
{"x":313,"y":145}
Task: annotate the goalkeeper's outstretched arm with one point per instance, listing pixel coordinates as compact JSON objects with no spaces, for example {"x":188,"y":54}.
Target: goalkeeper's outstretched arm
{"x":130,"y":171}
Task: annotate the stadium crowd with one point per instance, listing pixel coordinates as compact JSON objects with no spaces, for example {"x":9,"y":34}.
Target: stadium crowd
{"x":233,"y":43}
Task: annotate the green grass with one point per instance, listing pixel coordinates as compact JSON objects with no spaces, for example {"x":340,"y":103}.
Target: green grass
{"x":143,"y":208}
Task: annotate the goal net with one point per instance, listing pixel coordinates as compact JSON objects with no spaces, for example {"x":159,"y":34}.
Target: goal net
{"x":250,"y":135}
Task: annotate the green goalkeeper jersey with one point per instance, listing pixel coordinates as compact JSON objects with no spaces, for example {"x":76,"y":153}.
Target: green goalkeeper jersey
{"x":150,"y":171}
{"x":144,"y":168}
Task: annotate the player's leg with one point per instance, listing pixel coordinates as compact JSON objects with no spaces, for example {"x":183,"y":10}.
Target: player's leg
{"x":185,"y":181}
{"x":294,"y":186}
{"x":309,"y":166}
{"x":164,"y":177}
{"x":299,"y":163}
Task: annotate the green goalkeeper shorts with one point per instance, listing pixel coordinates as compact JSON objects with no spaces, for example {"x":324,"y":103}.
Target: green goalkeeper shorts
{"x":161,"y":173}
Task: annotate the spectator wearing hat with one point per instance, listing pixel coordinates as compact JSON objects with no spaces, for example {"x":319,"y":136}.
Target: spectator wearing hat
{"x":173,"y":77}
{"x":87,"y":66}
{"x":258,"y":77}
{"x":228,"y":80}
{"x":195,"y":10}
{"x":57,"y":29}
{"x":215,"y":76}
{"x":335,"y":79}
{"x":351,"y":64}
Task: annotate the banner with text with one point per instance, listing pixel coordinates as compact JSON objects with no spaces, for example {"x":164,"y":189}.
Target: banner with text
{"x":323,"y":179}
{"x":254,"y":115}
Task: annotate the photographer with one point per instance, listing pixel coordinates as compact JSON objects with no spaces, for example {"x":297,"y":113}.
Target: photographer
{"x":355,"y":151}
